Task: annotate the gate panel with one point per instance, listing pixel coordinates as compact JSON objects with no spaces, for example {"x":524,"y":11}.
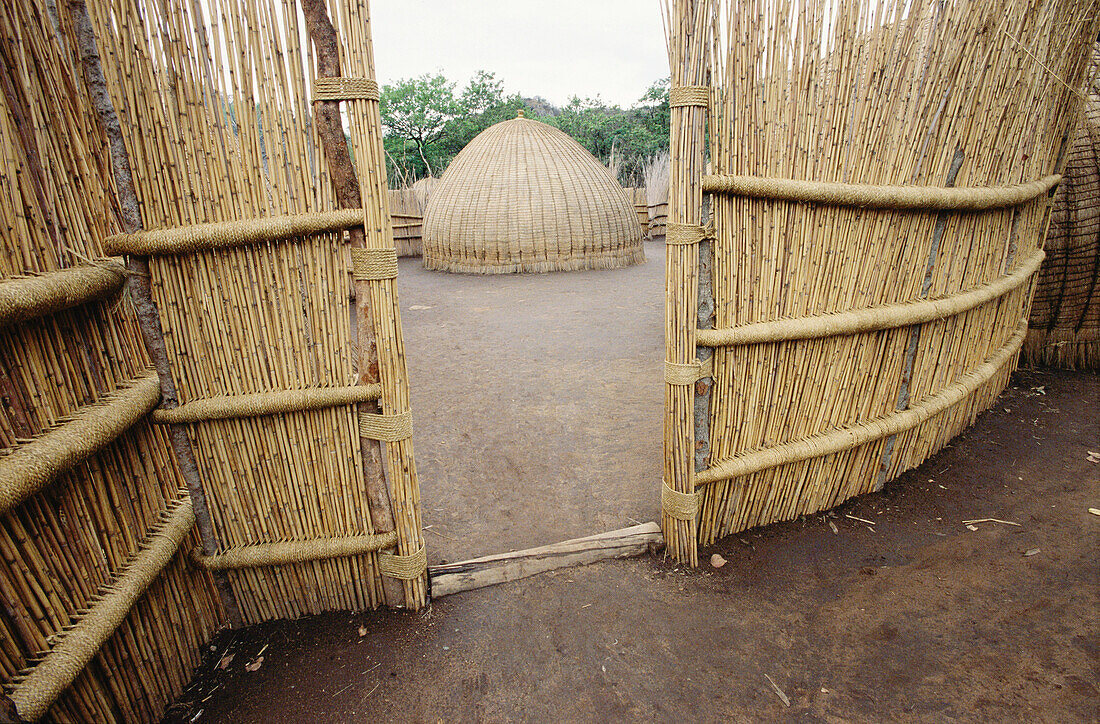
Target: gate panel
{"x":255,"y":283}
{"x":879,"y":196}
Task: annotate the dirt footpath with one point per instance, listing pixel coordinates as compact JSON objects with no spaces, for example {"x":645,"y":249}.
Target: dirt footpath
{"x":905,"y":615}
{"x":536,"y":403}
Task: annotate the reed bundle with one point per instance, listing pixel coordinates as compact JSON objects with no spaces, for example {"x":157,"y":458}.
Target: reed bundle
{"x":848,"y":97}
{"x":1065,"y":315}
{"x":689,"y":26}
{"x":70,"y":348}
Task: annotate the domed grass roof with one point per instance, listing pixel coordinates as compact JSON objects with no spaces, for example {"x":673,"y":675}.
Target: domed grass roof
{"x":525,"y":197}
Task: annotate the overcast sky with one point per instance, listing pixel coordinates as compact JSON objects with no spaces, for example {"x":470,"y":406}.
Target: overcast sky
{"x":551,"y":48}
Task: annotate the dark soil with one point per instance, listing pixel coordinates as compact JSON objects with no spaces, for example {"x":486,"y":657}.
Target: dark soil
{"x":908,"y":617}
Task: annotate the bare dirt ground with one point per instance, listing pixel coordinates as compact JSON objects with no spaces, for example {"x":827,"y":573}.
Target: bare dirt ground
{"x":908,"y":617}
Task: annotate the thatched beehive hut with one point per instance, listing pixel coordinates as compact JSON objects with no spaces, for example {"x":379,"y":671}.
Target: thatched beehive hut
{"x":1064,"y":329}
{"x":525,"y":197}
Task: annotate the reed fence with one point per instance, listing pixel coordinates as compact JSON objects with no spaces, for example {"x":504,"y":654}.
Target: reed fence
{"x":229,"y":454}
{"x":407,"y":217}
{"x":102,"y":617}
{"x":636,"y":195}
{"x":860,"y":292}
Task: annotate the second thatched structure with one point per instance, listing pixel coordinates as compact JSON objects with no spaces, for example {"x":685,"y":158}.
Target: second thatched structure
{"x":525,"y":197}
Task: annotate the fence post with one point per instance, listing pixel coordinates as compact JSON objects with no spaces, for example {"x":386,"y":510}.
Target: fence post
{"x":689,"y":26}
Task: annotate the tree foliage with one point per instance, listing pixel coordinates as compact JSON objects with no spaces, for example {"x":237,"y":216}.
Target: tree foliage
{"x":428,"y":121}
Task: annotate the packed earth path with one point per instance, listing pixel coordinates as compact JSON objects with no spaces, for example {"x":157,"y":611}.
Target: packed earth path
{"x":537,"y":407}
{"x":536,"y":403}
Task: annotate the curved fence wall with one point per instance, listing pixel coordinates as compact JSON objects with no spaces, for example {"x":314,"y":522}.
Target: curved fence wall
{"x":879,"y":191}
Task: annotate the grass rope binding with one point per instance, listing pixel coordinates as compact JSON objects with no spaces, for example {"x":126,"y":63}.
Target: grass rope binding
{"x":297,"y":551}
{"x":407,"y":568}
{"x":344,"y":89}
{"x":30,"y":297}
{"x":853,"y":437}
{"x":872,"y":319}
{"x":32,"y":466}
{"x":679,"y":234}
{"x":681,"y":506}
{"x":266,"y":403}
{"x":229,"y":234}
{"x":687,"y":374}
{"x":689,"y":95}
{"x":869,"y":196}
{"x":34,"y":694}
{"x":387,"y":428}
{"x":370,"y":264}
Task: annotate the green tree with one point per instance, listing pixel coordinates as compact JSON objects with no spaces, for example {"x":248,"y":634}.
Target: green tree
{"x":415,"y":113}
{"x":634,"y":134}
{"x":427,"y":123}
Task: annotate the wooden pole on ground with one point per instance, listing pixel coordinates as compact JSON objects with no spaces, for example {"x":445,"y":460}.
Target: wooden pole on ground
{"x":503,"y":567}
{"x":141,"y":293}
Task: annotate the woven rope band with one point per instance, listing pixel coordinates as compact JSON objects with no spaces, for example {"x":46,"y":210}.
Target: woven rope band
{"x":387,"y":428}
{"x":407,"y":568}
{"x":370,"y":264}
{"x":878,"y":428}
{"x":344,"y":89}
{"x":266,"y":403}
{"x":688,"y":374}
{"x":31,"y":466}
{"x":72,"y":652}
{"x":681,"y":506}
{"x":872,"y":318}
{"x":870,"y":196}
{"x":683,"y":234}
{"x":286,"y":552}
{"x":36,"y":296}
{"x":225,"y":234}
{"x":689,"y":95}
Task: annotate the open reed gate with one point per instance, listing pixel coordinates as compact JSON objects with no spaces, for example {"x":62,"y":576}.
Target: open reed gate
{"x":879,"y":180}
{"x":275,"y":333}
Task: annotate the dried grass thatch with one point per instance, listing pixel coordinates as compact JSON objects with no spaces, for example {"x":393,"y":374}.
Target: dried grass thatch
{"x":1064,"y":329}
{"x":525,"y":197}
{"x":656,"y":174}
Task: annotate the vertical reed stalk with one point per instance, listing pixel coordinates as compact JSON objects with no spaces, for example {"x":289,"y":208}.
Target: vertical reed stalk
{"x":688,"y":27}
{"x":346,"y":182}
{"x":141,"y":292}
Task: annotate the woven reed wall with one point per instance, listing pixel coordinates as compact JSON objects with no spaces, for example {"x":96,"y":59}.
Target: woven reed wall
{"x":407,"y":214}
{"x":835,"y":93}
{"x":636,"y":195}
{"x":1065,"y":315}
{"x":66,"y":547}
{"x":525,"y":197}
{"x":260,"y":318}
